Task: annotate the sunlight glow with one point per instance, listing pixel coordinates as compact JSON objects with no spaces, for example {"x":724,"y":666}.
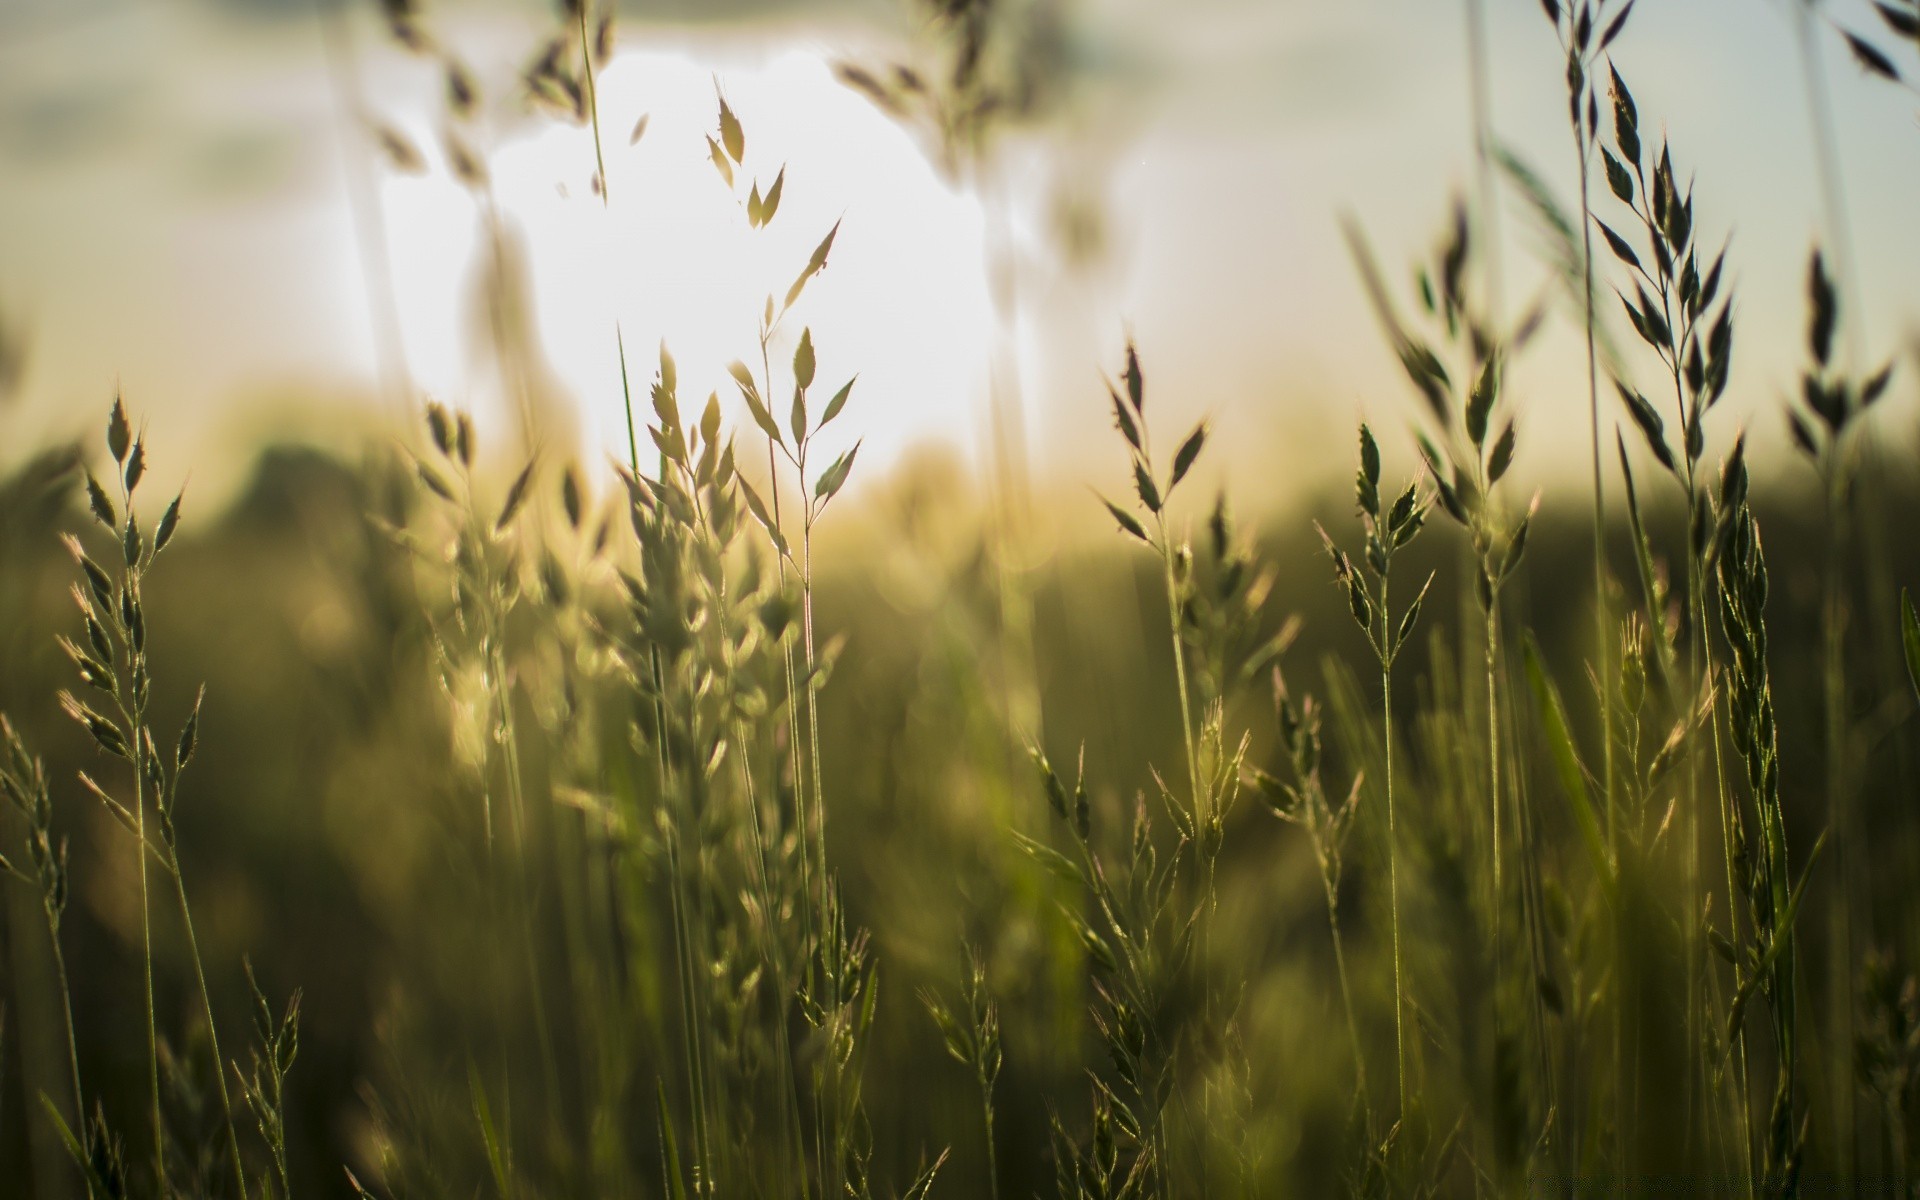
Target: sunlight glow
{"x":903,"y":301}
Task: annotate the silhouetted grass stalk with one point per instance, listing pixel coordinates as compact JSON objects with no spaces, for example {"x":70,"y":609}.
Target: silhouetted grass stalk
{"x":23,"y":781}
{"x":1851,"y":860}
{"x":1387,"y":530}
{"x":126,"y":678}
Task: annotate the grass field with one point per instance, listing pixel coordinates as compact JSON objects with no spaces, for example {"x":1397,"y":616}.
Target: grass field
{"x":452,"y":819}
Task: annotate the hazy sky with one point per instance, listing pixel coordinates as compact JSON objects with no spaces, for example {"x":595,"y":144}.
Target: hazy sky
{"x":175,"y":216}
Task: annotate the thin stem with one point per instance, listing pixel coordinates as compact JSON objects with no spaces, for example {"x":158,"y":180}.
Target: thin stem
{"x":1393,"y":846}
{"x":1530,"y":915}
{"x":790,"y":1116}
{"x":684,"y":965}
{"x":986,"y":1114}
{"x":1602,"y":649}
{"x":593,"y":105}
{"x":1165,"y":545}
{"x":1332,"y":886}
{"x":626,"y":394}
{"x":793,"y":698}
{"x":1851,"y":860}
{"x":1600,"y":615}
{"x":1691,"y":922}
{"x":213,"y":1033}
{"x":1702,"y":669}
{"x":66,"y":1011}
{"x":1849,"y":856}
{"x":698,"y":803}
{"x":516,"y":799}
{"x":1200,"y":803}
{"x":146,"y":946}
{"x":831,"y":929}
{"x":1493,"y":758}
{"x":813,"y":709}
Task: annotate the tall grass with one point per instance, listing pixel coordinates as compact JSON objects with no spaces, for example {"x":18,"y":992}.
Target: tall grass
{"x":606,"y":738}
{"x":1386,"y":530}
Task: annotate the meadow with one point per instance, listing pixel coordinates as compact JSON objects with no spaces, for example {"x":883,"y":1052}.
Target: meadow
{"x":452,"y":818}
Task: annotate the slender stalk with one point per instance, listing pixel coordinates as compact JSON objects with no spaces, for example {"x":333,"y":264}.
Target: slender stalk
{"x":790,"y":1115}
{"x":1851,"y":861}
{"x":593,"y":105}
{"x":1600,"y":614}
{"x":66,"y":1013}
{"x":1849,"y":854}
{"x":1700,"y":673}
{"x":801,"y":816}
{"x":1702,"y":670}
{"x":986,"y":1116}
{"x":1583,"y":151}
{"x":1393,"y":847}
{"x":626,"y":395}
{"x":1346,"y":993}
{"x":516,"y":801}
{"x":1187,"y":736}
{"x":135,"y":725}
{"x":813,"y":713}
{"x":1203,"y":816}
{"x":684,"y":966}
{"x":830,"y":930}
{"x":1386,"y":530}
{"x":1493,"y":764}
{"x":23,"y":782}
{"x":683,"y":957}
{"x":1536,"y":933}
{"x":213,"y":1033}
{"x":1201,"y":802}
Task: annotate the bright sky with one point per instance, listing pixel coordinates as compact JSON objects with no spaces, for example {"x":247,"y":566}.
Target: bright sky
{"x":174,"y":214}
{"x":673,"y":259}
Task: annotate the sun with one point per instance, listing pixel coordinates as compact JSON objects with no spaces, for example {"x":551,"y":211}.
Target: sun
{"x":670,"y":258}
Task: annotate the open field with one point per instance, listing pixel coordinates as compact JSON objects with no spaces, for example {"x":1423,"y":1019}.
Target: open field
{"x":456,"y":815}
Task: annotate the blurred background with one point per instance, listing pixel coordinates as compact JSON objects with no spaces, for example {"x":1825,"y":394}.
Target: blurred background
{"x":199,"y":208}
{"x":279,"y":230}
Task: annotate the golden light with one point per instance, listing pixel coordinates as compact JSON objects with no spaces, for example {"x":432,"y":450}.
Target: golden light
{"x":671,"y":257}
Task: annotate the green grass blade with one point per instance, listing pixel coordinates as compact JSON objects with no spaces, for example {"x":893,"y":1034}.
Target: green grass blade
{"x":1566,"y":763}
{"x":95,"y":1186}
{"x":1782,"y":938}
{"x":923,"y":1182}
{"x":1910,"y":638}
{"x":1642,"y":550}
{"x":673,"y":1185}
{"x":66,"y":1135}
{"x":497,"y":1157}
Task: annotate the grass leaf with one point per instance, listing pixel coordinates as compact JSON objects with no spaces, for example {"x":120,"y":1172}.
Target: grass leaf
{"x":1566,"y":763}
{"x":1128,"y":522}
{"x":1910,"y":638}
{"x":499,"y":1159}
